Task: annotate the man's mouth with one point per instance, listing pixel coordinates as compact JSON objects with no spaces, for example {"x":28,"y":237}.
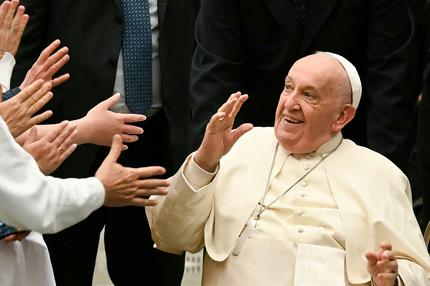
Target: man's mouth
{"x":292,"y":120}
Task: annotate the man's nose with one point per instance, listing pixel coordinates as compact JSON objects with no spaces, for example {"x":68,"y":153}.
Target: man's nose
{"x":291,"y":102}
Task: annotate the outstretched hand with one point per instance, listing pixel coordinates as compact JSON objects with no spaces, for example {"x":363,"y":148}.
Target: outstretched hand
{"x":382,"y":265}
{"x":220,"y":136}
{"x":100,"y":124}
{"x":19,"y":111}
{"x":12,"y":25}
{"x":53,"y":148}
{"x":129,"y":186}
{"x":47,"y":65}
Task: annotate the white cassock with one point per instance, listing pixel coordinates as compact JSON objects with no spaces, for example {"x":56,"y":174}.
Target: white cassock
{"x":314,"y":235}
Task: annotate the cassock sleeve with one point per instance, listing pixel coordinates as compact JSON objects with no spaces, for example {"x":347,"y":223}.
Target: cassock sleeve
{"x":30,"y":200}
{"x":177,"y":222}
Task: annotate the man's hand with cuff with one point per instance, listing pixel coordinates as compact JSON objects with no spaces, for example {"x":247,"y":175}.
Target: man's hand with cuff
{"x":383,"y":266}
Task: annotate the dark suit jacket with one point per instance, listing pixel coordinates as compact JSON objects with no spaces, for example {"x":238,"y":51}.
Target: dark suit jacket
{"x":93,"y":31}
{"x":250,"y":45}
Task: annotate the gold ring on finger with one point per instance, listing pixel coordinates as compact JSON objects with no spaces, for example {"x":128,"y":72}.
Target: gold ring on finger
{"x":13,"y":29}
{"x":60,"y":149}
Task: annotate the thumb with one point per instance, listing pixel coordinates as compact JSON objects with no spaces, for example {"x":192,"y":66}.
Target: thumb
{"x":242,"y":129}
{"x":32,"y":136}
{"x":115,"y":149}
{"x":110,"y":102}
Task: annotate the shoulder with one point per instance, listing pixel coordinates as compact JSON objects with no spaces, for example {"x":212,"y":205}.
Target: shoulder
{"x":365,"y":161}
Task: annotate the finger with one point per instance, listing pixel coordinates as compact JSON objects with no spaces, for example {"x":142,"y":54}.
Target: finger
{"x":141,"y":202}
{"x":39,"y":103}
{"x":215,"y":121}
{"x":387,"y":276}
{"x":132,"y":118}
{"x":40,"y":118}
{"x":17,"y":21}
{"x":10,"y":13}
{"x":146,"y":193}
{"x":4,"y":8}
{"x":242,"y":129}
{"x":385,"y":245}
{"x":59,"y":80}
{"x":10,"y":237}
{"x":115,"y":149}
{"x":129,"y":138}
{"x":131,"y":129}
{"x":47,"y":86}
{"x":152,"y":183}
{"x":38,"y":94}
{"x":50,"y":136}
{"x":68,"y":152}
{"x":388,"y":255}
{"x":372,"y":258}
{"x":32,"y":135}
{"x":238,"y":105}
{"x":44,"y":55}
{"x":63,"y":135}
{"x":56,"y":62}
{"x":388,"y":266}
{"x":29,"y":91}
{"x":146,"y":172}
{"x":110,"y":102}
{"x":228,"y":105}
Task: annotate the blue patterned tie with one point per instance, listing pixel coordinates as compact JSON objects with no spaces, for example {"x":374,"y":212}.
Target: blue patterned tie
{"x":137,"y":54}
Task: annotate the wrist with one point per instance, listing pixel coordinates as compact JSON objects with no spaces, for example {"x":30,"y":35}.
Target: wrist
{"x":205,"y":162}
{"x":83,"y":136}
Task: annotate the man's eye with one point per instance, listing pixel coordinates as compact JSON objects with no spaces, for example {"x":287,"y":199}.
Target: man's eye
{"x":309,"y":95}
{"x":289,"y":87}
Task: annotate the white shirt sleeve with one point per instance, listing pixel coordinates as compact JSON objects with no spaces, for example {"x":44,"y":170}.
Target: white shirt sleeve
{"x":30,"y":200}
{"x":7,"y":63}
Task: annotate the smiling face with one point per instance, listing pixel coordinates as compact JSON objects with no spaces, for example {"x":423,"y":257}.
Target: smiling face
{"x":314,"y":105}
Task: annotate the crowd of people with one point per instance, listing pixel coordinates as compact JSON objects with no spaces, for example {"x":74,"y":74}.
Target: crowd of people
{"x":315,"y":194}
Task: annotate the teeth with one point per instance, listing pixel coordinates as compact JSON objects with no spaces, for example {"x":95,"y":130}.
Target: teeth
{"x":292,"y":120}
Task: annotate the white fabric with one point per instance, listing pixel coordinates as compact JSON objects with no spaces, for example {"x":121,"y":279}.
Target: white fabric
{"x":30,"y":200}
{"x":372,"y":194}
{"x":26,"y":263}
{"x":7,"y":62}
{"x":353,"y":77}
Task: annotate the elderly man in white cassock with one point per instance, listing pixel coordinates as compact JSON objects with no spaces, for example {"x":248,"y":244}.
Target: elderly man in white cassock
{"x":296,"y":204}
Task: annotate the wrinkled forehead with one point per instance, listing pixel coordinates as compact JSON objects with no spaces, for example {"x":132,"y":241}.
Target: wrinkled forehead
{"x":315,"y":70}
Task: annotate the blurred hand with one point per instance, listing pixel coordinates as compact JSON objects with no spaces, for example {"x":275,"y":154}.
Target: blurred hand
{"x":12,"y":25}
{"x":18,"y":111}
{"x":47,"y":65}
{"x":100,"y":124}
{"x":52,"y":149}
{"x":219,"y":135}
{"x":382,"y":265}
{"x":17,"y":236}
{"x":129,"y":186}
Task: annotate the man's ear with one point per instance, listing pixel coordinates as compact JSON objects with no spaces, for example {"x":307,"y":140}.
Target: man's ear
{"x":344,"y":117}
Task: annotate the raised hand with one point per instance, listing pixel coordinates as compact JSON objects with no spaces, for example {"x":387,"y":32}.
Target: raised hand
{"x":100,"y":124}
{"x":53,"y":148}
{"x":47,"y":65}
{"x":18,"y":111}
{"x":382,"y":265}
{"x":129,"y":186}
{"x":220,"y":135}
{"x":12,"y":25}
